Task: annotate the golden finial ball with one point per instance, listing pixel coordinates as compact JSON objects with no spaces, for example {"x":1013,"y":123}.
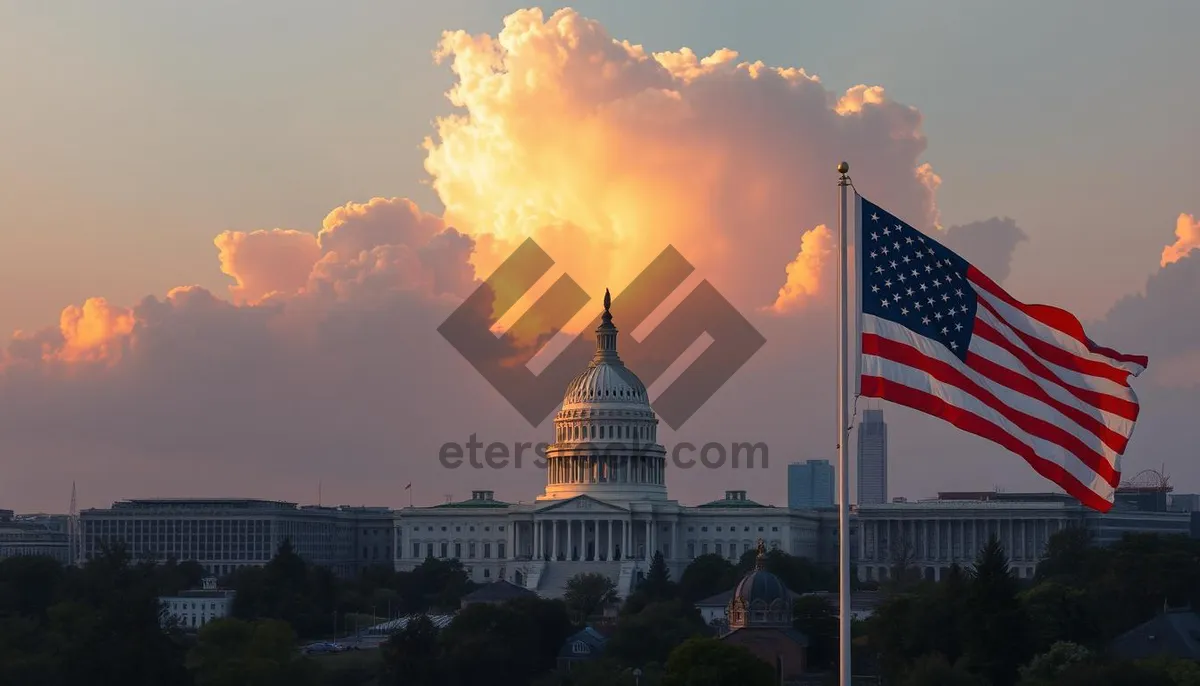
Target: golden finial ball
{"x":843,"y":167}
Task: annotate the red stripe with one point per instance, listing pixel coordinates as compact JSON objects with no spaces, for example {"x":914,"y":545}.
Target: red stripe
{"x":1108,"y":403}
{"x":1054,"y":317}
{"x":909,"y":356}
{"x":1061,"y":357}
{"x":1026,"y":385}
{"x":876,"y":387}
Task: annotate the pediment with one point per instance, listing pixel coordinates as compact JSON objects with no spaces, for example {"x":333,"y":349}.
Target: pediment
{"x":582,"y":504}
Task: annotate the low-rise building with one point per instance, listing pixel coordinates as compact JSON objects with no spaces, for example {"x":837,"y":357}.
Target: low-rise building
{"x":931,"y":535}
{"x":33,"y":536}
{"x":192,"y":609}
{"x":583,"y":646}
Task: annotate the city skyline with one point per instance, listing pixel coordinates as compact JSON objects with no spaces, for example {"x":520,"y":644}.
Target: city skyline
{"x":231,"y":245}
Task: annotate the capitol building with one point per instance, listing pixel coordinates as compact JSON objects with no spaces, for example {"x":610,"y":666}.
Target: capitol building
{"x":605,"y":508}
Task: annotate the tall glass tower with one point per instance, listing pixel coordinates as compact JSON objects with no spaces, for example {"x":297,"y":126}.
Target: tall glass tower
{"x":872,"y":459}
{"x":810,"y":484}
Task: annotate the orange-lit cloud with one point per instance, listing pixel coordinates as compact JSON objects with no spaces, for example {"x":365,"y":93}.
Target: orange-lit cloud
{"x":806,"y":273}
{"x":1187,"y":238}
{"x":605,"y":152}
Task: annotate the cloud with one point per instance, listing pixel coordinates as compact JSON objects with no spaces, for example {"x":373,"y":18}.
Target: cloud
{"x":807,"y":275}
{"x":1187,"y":238}
{"x":605,"y":152}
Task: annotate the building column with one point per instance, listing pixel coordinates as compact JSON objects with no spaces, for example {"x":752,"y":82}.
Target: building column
{"x":554,"y":539}
{"x":674,"y":540}
{"x":610,"y":541}
{"x":511,"y":553}
{"x":570,"y":537}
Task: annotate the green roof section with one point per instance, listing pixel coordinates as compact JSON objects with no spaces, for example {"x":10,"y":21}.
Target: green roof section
{"x":734,"y":499}
{"x":478,"y":500}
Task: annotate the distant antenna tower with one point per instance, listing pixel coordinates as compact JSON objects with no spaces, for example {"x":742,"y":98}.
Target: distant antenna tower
{"x":73,"y":529}
{"x":448,"y":496}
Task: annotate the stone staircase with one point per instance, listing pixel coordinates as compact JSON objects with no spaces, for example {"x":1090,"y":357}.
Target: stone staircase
{"x":553,"y":578}
{"x":627,"y":577}
{"x":534,"y":571}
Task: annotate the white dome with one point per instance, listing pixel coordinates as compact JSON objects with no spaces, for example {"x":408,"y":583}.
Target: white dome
{"x":606,"y":382}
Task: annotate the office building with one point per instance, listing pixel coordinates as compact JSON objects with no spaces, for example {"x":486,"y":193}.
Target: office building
{"x":34,"y":535}
{"x":223,"y":534}
{"x":810,"y":484}
{"x":872,"y":458}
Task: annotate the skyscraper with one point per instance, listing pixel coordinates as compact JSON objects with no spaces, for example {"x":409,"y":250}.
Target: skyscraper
{"x":872,"y":459}
{"x":810,"y":484}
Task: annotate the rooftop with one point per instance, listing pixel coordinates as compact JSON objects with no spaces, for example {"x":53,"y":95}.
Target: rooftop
{"x":498,"y":592}
{"x":734,"y":499}
{"x":478,"y":499}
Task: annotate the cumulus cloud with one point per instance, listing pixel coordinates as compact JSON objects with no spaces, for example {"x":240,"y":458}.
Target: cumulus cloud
{"x":1187,"y":238}
{"x":605,"y":152}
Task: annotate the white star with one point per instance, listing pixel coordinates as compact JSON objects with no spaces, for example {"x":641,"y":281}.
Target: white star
{"x":925,"y":321}
{"x":910,"y":292}
{"x":884,"y":303}
{"x":928,"y":269}
{"x":874,"y":254}
{"x":896,"y":245}
{"x":920,"y":255}
{"x":938,"y":316}
{"x":874,"y":217}
{"x":953,"y":345}
{"x":874,"y":288}
{"x":952,"y":312}
{"x":904,"y":311}
{"x":908,"y":239}
{"x":883,"y":250}
{"x":958,"y":327}
{"x":879,"y":270}
{"x":921,"y":238}
{"x":930,"y":301}
{"x":945,"y":297}
{"x":915,"y":273}
{"x":945,"y":331}
{"x":937,"y":283}
{"x":888,"y":283}
{"x":958,"y":292}
{"x":874,"y":236}
{"x":887,"y":231}
{"x":917,"y":305}
{"x":902,"y":278}
{"x":923,"y":287}
{"x":963,"y":309}
{"x":896,"y":297}
{"x":893,"y":264}
{"x":906,"y":259}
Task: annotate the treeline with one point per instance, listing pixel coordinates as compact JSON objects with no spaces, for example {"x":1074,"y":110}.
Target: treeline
{"x":980,"y":626}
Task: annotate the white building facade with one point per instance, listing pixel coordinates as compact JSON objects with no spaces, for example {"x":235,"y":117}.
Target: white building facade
{"x":605,"y":508}
{"x":931,"y":535}
{"x":190,"y":610}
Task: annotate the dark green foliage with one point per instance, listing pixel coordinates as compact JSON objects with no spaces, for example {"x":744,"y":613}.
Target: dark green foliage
{"x":710,"y":662}
{"x":587,"y":594}
{"x":650,"y":635}
{"x":817,"y":619}
{"x":706,"y":576}
{"x":797,"y":573}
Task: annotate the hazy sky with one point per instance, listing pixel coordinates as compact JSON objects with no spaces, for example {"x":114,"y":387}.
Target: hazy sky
{"x":133,"y":133}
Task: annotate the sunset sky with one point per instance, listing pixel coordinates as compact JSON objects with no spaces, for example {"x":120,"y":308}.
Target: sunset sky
{"x":233,"y":228}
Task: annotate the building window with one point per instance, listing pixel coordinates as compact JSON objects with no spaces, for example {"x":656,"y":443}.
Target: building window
{"x":471,"y":550}
{"x":704,"y":548}
{"x":500,"y":549}
{"x":579,"y":648}
{"x":458,"y":551}
{"x":444,"y":546}
{"x":487,"y":573}
{"x":416,"y":550}
{"x":487,"y":550}
{"x":774,"y":528}
{"x":718,"y":549}
{"x":704,"y":528}
{"x":458,"y":528}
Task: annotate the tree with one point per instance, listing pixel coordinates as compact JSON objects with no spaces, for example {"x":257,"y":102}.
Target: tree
{"x":934,"y":668}
{"x":650,"y":635}
{"x":232,"y":652}
{"x":588,"y":593}
{"x":501,"y":644}
{"x":799,"y":574}
{"x":817,"y":619}
{"x":707,"y":575}
{"x":410,"y":656}
{"x":658,"y":585}
{"x":712,"y":662}
{"x":1058,"y":612}
{"x":995,"y":631}
{"x":1048,"y":666}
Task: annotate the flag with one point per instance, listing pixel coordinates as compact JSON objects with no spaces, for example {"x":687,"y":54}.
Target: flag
{"x":941,"y":337}
{"x":408,"y":487}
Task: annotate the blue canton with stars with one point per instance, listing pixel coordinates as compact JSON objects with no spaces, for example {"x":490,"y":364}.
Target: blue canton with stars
{"x":912,"y":280}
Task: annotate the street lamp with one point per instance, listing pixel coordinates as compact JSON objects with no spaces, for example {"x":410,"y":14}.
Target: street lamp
{"x":637,"y":677}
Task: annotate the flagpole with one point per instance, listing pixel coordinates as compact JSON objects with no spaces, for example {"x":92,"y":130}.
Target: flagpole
{"x":842,"y":422}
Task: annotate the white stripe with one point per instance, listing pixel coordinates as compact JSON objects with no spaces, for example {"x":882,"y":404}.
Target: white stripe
{"x":1088,"y":382}
{"x":990,"y":351}
{"x":1015,"y":400}
{"x":1050,"y":335}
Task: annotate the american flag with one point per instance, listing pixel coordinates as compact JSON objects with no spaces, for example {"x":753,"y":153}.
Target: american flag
{"x":941,"y":337}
